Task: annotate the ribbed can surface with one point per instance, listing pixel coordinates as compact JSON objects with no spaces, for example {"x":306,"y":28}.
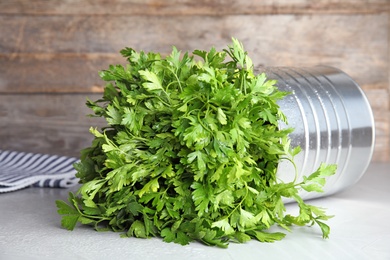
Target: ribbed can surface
{"x":333,"y":123}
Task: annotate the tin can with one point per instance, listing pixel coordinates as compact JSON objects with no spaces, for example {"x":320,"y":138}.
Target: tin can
{"x":333,"y":123}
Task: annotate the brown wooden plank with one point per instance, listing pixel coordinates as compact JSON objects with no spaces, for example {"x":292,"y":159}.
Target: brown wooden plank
{"x":388,"y":64}
{"x":73,"y":73}
{"x":378,"y":98}
{"x":61,"y":108}
{"x":54,"y":73}
{"x":328,"y":35}
{"x":50,"y":138}
{"x":382,"y":142}
{"x":57,"y":124}
{"x":53,"y":137}
{"x":54,"y":124}
{"x":42,"y":57}
{"x":190,"y":7}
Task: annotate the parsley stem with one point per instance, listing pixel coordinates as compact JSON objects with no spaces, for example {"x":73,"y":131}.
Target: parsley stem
{"x":88,"y":216}
{"x":159,"y":98}
{"x":240,"y":203}
{"x":294,"y":165}
{"x":200,"y":120}
{"x":177,"y":79}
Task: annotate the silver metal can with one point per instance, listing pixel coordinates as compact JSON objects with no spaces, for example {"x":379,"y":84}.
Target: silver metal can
{"x":333,"y":123}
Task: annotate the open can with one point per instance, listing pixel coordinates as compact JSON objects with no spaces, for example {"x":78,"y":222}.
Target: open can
{"x":333,"y":124}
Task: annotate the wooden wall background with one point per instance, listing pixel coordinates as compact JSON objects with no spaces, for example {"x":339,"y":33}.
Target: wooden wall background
{"x":51,"y":51}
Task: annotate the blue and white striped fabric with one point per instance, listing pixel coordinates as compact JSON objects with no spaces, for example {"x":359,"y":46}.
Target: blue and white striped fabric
{"x":19,"y":170}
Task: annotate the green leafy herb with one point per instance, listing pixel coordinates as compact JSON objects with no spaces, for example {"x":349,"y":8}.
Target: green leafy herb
{"x":190,"y":152}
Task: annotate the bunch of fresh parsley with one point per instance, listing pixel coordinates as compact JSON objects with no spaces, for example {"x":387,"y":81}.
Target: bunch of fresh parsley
{"x":190,"y":152}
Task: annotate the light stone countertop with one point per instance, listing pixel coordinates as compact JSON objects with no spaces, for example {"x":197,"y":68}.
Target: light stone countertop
{"x":30,"y":229}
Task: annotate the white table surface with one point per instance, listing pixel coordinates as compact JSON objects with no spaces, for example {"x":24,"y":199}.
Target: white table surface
{"x":30,"y":229}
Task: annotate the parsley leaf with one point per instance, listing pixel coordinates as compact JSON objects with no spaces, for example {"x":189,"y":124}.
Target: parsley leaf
{"x":70,"y":215}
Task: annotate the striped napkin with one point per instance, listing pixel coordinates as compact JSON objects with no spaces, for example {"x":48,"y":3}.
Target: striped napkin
{"x":19,"y":170}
